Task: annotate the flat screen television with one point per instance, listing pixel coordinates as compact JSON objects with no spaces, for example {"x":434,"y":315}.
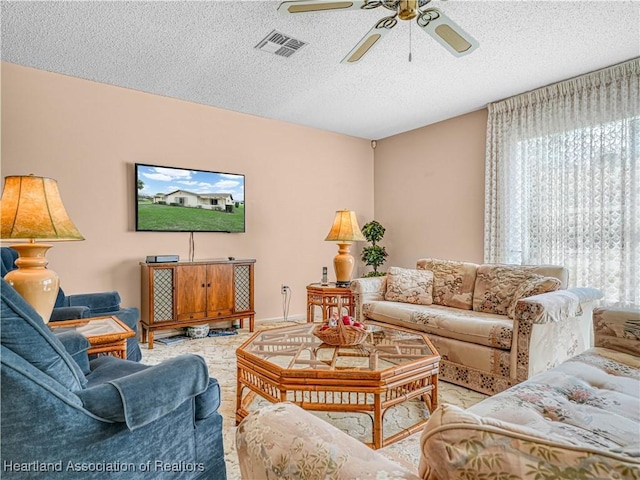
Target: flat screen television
{"x":174,"y":199}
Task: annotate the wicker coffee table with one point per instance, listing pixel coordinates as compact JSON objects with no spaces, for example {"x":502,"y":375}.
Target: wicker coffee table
{"x":392,"y":366}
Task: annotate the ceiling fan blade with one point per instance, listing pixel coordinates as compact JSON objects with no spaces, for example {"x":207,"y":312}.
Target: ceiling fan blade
{"x":306,"y":6}
{"x":372,"y":37}
{"x":448,"y":33}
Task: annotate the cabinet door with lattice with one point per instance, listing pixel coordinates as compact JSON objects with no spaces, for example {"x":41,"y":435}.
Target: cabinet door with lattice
{"x":243,"y":288}
{"x":157,"y":294}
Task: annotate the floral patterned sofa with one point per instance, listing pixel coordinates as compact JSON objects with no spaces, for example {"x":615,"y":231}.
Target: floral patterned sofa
{"x":494,"y":325}
{"x":580,"y":419}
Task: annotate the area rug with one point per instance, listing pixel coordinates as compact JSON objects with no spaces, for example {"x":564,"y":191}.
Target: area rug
{"x":219,"y":353}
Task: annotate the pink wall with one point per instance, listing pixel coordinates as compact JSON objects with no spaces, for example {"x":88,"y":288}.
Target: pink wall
{"x":88,"y":135}
{"x":429,"y":191}
{"x":428,"y":187}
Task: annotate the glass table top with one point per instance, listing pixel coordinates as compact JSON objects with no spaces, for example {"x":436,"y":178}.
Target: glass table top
{"x":102,"y":326}
{"x":296,"y":348}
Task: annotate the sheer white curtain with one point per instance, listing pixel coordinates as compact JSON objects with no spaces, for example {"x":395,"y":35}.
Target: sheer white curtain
{"x":563,"y":180}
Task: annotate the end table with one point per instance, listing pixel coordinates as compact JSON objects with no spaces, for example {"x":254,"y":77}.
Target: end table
{"x":328,"y":297}
{"x":107,"y":335}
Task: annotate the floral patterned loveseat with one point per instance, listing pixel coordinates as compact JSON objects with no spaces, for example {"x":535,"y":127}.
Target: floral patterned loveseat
{"x":493,"y":325}
{"x":580,"y":419}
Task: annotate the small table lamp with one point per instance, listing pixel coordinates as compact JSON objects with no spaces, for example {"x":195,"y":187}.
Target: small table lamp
{"x":31,"y":208}
{"x":344,"y":230}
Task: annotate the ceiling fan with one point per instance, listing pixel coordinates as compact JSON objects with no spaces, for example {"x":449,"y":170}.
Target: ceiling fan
{"x":431,"y":20}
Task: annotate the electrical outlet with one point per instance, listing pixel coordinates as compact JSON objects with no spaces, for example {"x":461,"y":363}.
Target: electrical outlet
{"x":284,"y":289}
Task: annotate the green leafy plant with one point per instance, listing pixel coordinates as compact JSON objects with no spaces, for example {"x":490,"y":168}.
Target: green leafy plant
{"x":374,"y":255}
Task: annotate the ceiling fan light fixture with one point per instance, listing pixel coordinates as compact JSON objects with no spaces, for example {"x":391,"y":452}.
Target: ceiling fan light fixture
{"x":431,"y":20}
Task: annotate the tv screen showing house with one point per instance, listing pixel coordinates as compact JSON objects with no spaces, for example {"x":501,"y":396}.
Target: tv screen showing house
{"x":173,"y":199}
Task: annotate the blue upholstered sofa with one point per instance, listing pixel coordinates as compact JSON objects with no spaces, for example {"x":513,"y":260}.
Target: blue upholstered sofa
{"x":85,"y":305}
{"x":64,"y":416}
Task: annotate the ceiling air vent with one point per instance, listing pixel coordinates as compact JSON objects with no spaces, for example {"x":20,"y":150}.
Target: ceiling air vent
{"x":280,"y":44}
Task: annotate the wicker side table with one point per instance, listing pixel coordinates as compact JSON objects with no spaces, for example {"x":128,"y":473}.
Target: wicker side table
{"x":107,"y":335}
{"x":328,"y":297}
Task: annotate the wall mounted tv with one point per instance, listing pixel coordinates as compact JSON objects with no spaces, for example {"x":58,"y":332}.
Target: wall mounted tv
{"x":173,"y":199}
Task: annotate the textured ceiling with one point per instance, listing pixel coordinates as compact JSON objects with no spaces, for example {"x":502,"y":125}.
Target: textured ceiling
{"x":204,"y":52}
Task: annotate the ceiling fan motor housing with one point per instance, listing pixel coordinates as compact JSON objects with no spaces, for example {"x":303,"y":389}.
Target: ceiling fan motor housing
{"x":407,"y":9}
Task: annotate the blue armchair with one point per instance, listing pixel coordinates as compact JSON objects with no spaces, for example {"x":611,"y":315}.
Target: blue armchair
{"x":85,"y":305}
{"x":65,"y":417}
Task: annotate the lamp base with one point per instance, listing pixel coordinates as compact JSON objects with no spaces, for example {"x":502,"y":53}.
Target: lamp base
{"x":37,"y":284}
{"x":343,"y":264}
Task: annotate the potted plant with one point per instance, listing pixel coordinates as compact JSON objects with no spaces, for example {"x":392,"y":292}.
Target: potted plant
{"x":374,"y":255}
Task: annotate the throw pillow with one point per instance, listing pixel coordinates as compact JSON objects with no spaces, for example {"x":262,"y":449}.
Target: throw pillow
{"x":534,"y":285}
{"x":496,"y":284}
{"x":409,"y":286}
{"x":453,"y":282}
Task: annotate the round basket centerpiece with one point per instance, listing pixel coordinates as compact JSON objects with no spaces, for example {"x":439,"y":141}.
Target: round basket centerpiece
{"x":341,"y":334}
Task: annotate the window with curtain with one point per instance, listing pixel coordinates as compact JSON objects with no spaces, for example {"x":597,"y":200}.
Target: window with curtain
{"x":563,"y":180}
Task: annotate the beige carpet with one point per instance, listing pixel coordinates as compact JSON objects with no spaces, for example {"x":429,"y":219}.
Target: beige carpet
{"x":219,"y":353}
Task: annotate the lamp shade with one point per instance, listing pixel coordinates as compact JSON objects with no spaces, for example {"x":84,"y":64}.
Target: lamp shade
{"x":345,"y":228}
{"x":32,"y":209}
